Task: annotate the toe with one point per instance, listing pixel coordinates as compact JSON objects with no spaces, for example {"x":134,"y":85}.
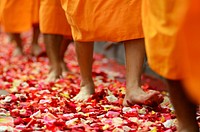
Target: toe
{"x":154,"y":99}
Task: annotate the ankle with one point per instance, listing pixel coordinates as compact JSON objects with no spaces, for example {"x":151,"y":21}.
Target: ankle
{"x":56,"y":69}
{"x":132,"y":86}
{"x":87,"y":83}
{"x":133,"y":83}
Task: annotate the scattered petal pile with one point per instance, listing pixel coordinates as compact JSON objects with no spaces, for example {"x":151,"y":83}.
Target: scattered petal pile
{"x":33,"y":105}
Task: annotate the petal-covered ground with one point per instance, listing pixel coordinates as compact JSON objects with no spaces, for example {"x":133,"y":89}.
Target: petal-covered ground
{"x":33,"y":105}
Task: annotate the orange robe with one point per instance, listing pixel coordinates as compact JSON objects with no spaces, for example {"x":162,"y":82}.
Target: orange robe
{"x":162,"y":21}
{"x":172,"y":44}
{"x":1,"y":9}
{"x":190,"y":39}
{"x":17,"y":15}
{"x":35,"y":11}
{"x":53,"y":19}
{"x":107,"y":20}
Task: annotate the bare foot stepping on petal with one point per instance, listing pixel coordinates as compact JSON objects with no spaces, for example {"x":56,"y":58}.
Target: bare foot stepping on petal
{"x":138,"y":96}
{"x":84,"y":94}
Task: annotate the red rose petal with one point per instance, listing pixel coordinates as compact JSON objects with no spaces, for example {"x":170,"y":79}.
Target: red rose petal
{"x":39,"y":106}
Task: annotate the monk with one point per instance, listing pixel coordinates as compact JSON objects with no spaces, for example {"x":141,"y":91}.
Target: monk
{"x":19,"y":16}
{"x":57,"y":36}
{"x":115,"y":21}
{"x":171,"y":31}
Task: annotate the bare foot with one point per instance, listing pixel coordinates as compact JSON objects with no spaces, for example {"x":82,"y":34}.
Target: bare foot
{"x":138,"y":96}
{"x":17,"y":52}
{"x":54,"y":75}
{"x":36,"y":50}
{"x":85,"y":93}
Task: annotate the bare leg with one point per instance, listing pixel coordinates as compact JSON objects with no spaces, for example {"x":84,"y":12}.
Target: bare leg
{"x":36,"y":50}
{"x":17,"y":39}
{"x":185,"y":110}
{"x":84,"y":53}
{"x":64,"y":46}
{"x":135,"y":52}
{"x":53,"y":45}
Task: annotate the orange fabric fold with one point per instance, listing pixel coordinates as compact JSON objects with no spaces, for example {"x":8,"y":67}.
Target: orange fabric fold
{"x":35,"y":11}
{"x":172,"y":31}
{"x":16,"y":15}
{"x":53,"y":19}
{"x":189,"y":35}
{"x":104,"y":20}
{"x":1,"y":9}
{"x":162,"y":21}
